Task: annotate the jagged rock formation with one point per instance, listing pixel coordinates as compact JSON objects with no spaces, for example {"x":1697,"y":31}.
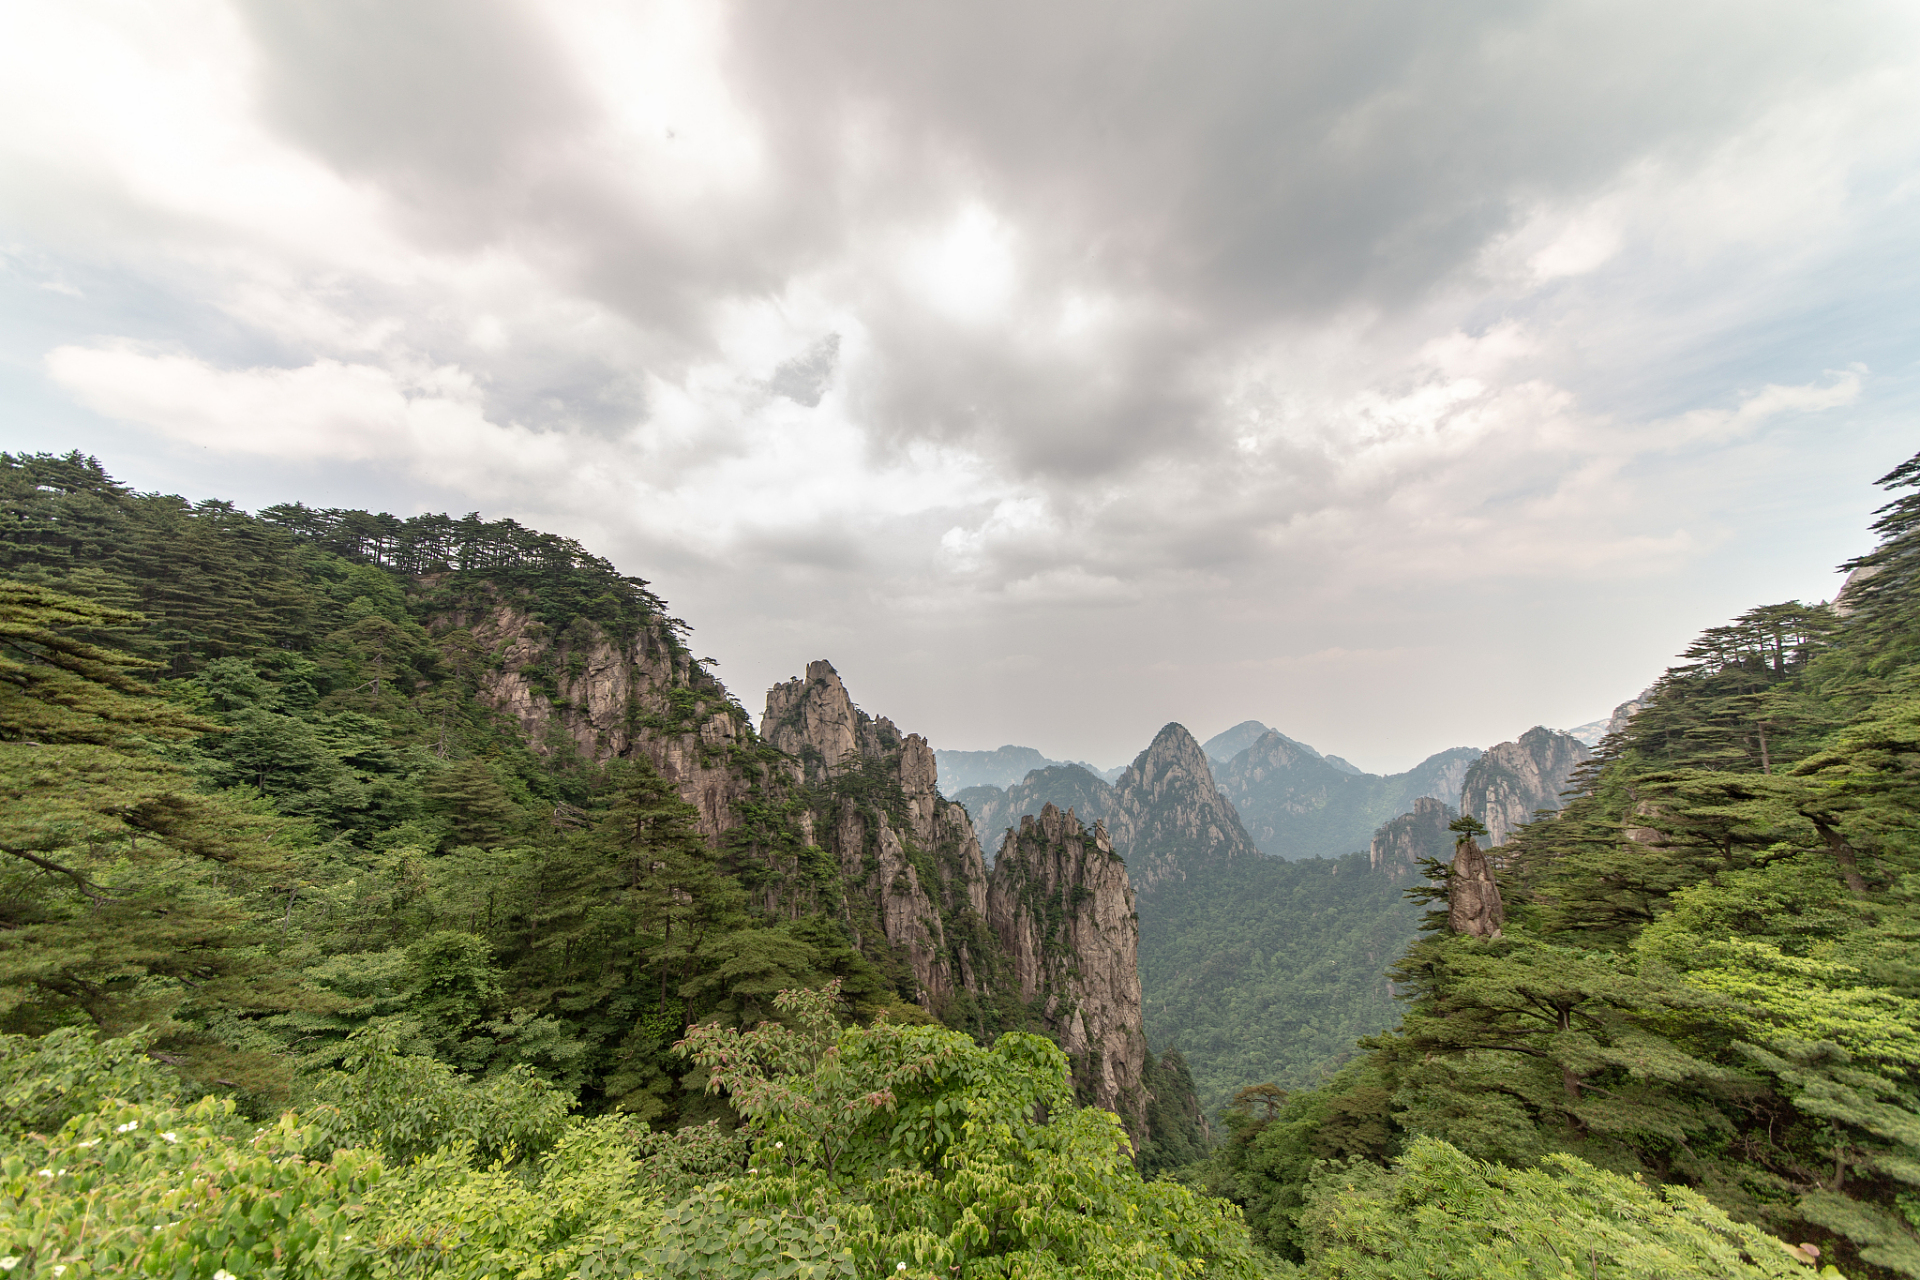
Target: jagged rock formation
{"x":589,"y":692}
{"x":1512,"y":781}
{"x":1399,"y":846}
{"x":1065,"y":786}
{"x":1061,"y":904}
{"x":1624,"y":713}
{"x":1296,"y":803}
{"x":1176,"y":822}
{"x":906,"y":851}
{"x":1473,"y":898}
{"x":1843,"y":599}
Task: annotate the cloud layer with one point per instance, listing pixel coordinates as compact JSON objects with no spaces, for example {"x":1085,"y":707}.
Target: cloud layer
{"x":1399,"y":375}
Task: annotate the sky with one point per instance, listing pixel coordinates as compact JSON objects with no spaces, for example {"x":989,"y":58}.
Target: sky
{"x":1400,"y":375}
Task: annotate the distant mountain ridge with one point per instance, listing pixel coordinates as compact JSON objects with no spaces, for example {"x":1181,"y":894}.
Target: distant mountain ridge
{"x":1001,"y":767}
{"x":1222,"y":747}
{"x":1297,"y":803}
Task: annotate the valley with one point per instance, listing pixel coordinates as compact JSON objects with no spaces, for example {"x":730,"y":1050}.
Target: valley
{"x":306,"y":800}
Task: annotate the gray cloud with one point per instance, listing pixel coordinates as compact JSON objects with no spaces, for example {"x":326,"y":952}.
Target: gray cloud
{"x":1263,"y":349}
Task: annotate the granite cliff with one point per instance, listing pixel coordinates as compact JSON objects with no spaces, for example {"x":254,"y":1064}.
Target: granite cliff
{"x":1065,"y":786}
{"x":1514,"y":780}
{"x":602,"y":696}
{"x":907,"y":856}
{"x":1175,"y":821}
{"x":1399,"y":846}
{"x":1061,"y":905}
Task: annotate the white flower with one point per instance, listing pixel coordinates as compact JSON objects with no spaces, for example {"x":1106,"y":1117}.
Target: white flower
{"x":90,"y":1142}
{"x":901,"y":1267}
{"x":60,"y":1270}
{"x":224,"y":1274}
{"x":9,"y":1262}
{"x":46,"y":1173}
{"x":123,"y":1128}
{"x":778,"y":1145}
{"x":171,"y":1137}
{"x":751,"y":1169}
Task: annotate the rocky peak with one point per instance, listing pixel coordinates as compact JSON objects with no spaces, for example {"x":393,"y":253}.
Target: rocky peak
{"x":1473,"y":898}
{"x":1179,"y":820}
{"x":607,"y":696}
{"x":1060,"y":902}
{"x":1065,"y":786}
{"x":1624,"y":713}
{"x":1399,"y":846}
{"x":912,"y":860}
{"x":1510,"y":783}
{"x":813,"y":719}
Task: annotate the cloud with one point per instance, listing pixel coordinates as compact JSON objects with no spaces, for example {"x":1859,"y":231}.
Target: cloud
{"x":889,"y":326}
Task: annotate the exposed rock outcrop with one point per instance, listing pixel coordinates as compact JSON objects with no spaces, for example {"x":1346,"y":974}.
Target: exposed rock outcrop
{"x":1510,"y":783}
{"x":1473,"y":898}
{"x":1175,"y":818}
{"x":908,"y":855}
{"x":1065,"y":786}
{"x":1061,"y":904}
{"x":583,"y":690}
{"x":1624,"y":713}
{"x":1399,"y":846}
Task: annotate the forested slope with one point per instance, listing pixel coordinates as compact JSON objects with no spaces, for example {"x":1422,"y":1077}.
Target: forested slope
{"x":1707,"y":974}
{"x":400,"y":896}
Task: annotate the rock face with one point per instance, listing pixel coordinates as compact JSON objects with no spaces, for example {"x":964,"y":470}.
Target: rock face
{"x":584,"y":691}
{"x":1506,"y":786}
{"x":1062,"y":907}
{"x":915,"y":863}
{"x":1065,"y":786}
{"x":1624,"y":713}
{"x":1473,"y":898}
{"x":1399,"y":846}
{"x":1297,"y":803}
{"x":1175,"y":820}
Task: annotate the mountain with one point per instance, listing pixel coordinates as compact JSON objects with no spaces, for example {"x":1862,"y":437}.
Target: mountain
{"x":1590,"y":733}
{"x":1000,"y":767}
{"x":1513,"y":781}
{"x":1228,"y":743}
{"x":1296,"y":803}
{"x":1252,"y":968}
{"x":1068,"y":787}
{"x":1175,"y":821}
{"x":1062,"y":907}
{"x":1053,"y":925}
{"x":462,"y":785}
{"x":1225,"y":745}
{"x":1398,"y":847}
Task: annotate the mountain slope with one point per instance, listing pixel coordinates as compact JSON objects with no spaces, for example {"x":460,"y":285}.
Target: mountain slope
{"x":1296,"y":803}
{"x":1513,"y":781}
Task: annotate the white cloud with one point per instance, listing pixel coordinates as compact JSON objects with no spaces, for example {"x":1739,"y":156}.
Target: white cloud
{"x":1202,"y":341}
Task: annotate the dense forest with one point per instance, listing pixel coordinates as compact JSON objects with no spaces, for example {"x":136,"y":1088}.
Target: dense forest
{"x":1707,"y":971}
{"x":1270,"y":970}
{"x":312,"y":964}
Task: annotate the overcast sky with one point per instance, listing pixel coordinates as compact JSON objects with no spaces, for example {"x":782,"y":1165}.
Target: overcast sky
{"x":1401,"y":375}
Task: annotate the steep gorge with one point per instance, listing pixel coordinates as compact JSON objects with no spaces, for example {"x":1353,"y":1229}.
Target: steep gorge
{"x":1050,"y":942}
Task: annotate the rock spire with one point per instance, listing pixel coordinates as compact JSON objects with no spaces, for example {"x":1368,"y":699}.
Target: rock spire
{"x":1061,"y":904}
